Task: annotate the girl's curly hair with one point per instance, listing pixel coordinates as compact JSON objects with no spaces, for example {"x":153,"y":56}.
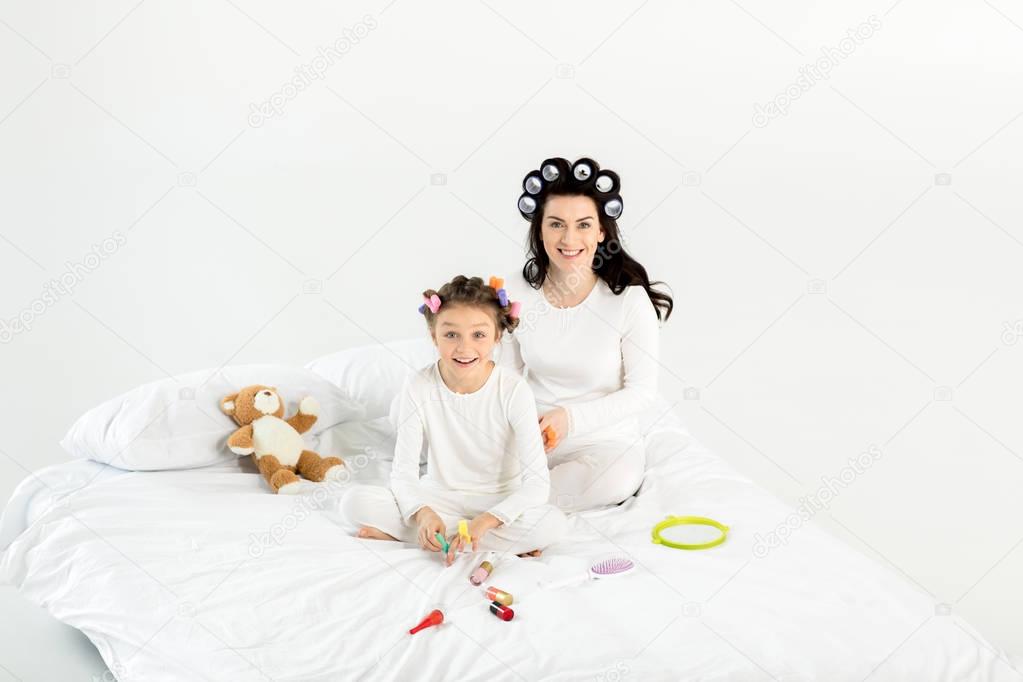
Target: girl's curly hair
{"x":473,"y":292}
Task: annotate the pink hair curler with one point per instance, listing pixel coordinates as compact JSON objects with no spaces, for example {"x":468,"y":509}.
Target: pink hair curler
{"x":432,"y":302}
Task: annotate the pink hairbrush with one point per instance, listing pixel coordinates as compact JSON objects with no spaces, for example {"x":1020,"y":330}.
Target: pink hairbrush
{"x":612,"y":566}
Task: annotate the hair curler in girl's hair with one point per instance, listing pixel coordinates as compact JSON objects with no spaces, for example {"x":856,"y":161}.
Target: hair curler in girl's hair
{"x":472,"y":291}
{"x":432,"y":303}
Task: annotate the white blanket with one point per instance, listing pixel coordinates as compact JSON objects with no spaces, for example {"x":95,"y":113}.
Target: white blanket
{"x":205,"y":575}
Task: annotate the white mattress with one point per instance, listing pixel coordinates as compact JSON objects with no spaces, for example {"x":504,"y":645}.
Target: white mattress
{"x":172,"y":575}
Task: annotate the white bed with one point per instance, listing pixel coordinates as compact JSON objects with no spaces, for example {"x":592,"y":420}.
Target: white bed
{"x":201,"y":574}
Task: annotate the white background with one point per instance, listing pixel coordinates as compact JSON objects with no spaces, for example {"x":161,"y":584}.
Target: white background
{"x":846,"y":276}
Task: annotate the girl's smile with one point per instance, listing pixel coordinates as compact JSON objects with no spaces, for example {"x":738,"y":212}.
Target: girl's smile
{"x":465,"y":336}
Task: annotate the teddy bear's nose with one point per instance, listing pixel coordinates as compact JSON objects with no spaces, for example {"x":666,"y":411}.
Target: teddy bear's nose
{"x":266,"y":392}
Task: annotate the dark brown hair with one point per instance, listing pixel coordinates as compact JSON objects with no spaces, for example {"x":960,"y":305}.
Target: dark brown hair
{"x":472,"y":292}
{"x":611,"y":263}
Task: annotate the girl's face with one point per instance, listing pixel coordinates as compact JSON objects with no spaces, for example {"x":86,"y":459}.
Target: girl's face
{"x":571,"y":231}
{"x":464,"y":336}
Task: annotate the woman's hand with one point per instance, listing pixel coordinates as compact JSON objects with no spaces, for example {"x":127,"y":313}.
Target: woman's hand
{"x":429,"y":525}
{"x":557,"y":421}
{"x":478,"y":527}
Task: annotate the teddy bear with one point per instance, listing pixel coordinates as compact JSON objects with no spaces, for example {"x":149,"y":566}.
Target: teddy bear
{"x":276,"y":444}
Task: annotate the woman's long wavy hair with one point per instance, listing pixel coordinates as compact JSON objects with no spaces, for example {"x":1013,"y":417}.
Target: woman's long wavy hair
{"x":611,"y":263}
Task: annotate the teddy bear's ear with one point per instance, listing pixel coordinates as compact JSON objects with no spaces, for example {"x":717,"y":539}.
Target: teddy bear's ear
{"x":227,"y":404}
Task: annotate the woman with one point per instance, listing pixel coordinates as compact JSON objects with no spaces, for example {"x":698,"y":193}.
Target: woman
{"x":588,"y":333}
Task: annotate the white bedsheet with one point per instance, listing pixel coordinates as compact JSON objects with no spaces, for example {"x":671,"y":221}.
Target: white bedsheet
{"x":204,"y":575}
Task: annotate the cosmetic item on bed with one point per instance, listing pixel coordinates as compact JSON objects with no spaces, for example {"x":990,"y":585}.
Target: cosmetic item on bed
{"x":463,"y":531}
{"x":689,"y":521}
{"x":435,"y":618}
{"x":443,"y":543}
{"x":610,"y":567}
{"x":498,"y":595}
{"x":483,"y":571}
{"x":501,"y":611}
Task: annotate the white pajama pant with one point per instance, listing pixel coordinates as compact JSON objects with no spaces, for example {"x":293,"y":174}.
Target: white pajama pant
{"x":596,"y":470}
{"x":535,"y":528}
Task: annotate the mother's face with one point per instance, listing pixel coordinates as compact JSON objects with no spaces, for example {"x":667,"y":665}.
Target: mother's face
{"x":571,"y":231}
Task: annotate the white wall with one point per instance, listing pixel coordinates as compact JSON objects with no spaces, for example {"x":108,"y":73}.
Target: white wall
{"x":894,"y":182}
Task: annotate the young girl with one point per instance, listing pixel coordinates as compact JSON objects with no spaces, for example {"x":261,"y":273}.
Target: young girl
{"x":477,"y":422}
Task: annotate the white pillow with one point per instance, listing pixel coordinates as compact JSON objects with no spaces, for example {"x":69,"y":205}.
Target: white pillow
{"x":374,"y":374}
{"x":176,"y":423}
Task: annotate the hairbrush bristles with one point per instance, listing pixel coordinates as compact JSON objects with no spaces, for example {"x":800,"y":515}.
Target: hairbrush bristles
{"x":613,"y":566}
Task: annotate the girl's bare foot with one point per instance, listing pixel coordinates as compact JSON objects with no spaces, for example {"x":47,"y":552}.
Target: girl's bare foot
{"x":535,"y":552}
{"x":371,"y":533}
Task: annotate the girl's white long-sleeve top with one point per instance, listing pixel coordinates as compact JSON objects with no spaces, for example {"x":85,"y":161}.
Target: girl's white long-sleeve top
{"x":483,"y":443}
{"x":598,"y":359}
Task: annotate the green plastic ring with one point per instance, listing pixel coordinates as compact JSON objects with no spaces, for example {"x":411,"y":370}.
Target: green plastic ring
{"x":689,"y":521}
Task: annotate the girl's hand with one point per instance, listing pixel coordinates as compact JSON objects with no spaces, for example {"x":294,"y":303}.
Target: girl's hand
{"x":478,"y":527}
{"x":557,"y":420}
{"x":429,"y":525}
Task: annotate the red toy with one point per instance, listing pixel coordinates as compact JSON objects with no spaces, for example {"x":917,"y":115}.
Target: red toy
{"x":435,"y":618}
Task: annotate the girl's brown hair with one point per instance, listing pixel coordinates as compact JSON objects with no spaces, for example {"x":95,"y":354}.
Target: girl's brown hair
{"x":475,"y":293}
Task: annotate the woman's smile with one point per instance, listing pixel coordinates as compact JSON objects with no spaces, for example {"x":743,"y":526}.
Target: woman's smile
{"x":571,"y":232}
